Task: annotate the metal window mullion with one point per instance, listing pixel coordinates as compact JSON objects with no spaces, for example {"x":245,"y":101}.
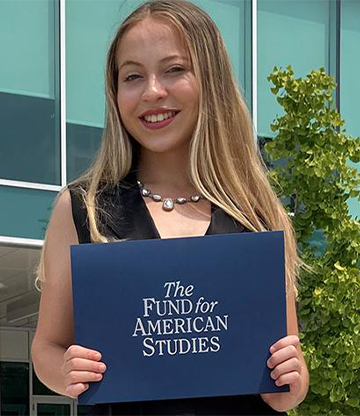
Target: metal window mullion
{"x":338,"y":55}
{"x":20,"y":242}
{"x":246,"y":61}
{"x":62,"y":28}
{"x":29,"y":185}
{"x":254,"y":97}
{"x":31,"y":396}
{"x":334,"y":45}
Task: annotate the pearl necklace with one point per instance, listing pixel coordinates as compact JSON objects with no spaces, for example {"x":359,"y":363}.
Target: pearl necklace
{"x":168,"y":203}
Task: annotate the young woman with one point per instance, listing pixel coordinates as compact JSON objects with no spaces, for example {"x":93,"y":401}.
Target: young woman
{"x":176,"y":127}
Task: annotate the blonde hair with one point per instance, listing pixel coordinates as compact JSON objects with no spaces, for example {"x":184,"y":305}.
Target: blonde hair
{"x":225,"y":164}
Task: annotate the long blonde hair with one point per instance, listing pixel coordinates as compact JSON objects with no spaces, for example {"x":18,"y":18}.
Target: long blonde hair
{"x":225,"y":164}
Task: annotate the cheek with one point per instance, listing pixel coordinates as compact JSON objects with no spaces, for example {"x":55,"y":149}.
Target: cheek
{"x":127,"y":103}
{"x":188,"y":92}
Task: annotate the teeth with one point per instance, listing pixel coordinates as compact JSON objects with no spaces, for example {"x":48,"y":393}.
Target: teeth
{"x":159,"y":117}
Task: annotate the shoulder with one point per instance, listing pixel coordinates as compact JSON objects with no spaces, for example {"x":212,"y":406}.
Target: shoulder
{"x":61,"y":224}
{"x":62,"y":207}
{"x":76,"y":194}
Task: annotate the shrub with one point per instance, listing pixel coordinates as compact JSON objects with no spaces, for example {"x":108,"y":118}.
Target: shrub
{"x":313,"y":174}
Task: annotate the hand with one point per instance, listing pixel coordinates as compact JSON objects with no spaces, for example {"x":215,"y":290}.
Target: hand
{"x":285,"y":363}
{"x":81,"y":366}
{"x":288,"y":367}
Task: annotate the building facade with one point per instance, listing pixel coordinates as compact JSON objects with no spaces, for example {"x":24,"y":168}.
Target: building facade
{"x":52,"y":107}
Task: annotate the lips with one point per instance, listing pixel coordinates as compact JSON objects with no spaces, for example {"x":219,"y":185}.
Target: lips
{"x":158,"y":124}
{"x":159,"y":110}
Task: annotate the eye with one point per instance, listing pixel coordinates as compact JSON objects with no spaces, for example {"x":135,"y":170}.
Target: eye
{"x":131,"y":77}
{"x":176,"y":69}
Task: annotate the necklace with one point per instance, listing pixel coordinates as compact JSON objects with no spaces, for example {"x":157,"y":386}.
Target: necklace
{"x":168,"y":203}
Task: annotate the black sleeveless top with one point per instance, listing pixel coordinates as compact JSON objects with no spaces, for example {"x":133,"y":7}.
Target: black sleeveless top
{"x":130,"y":219}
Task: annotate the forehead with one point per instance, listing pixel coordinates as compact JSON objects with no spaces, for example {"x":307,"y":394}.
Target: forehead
{"x":151,"y":38}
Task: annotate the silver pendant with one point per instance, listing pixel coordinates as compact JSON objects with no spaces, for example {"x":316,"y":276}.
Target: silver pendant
{"x":145,"y":192}
{"x":195,"y":198}
{"x":156,"y":198}
{"x":181,"y":200}
{"x":168,"y":204}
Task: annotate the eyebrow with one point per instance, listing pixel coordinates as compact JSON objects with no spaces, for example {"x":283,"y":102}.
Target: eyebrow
{"x":166,"y":59}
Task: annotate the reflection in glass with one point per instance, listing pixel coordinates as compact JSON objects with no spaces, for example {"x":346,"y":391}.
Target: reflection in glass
{"x":292,"y":32}
{"x":349,"y":85}
{"x":25,"y":213}
{"x":14,"y":389}
{"x":29,"y":116}
{"x":52,"y":409}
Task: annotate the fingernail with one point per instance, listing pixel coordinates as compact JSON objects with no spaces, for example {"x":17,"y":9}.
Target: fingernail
{"x":102,"y":367}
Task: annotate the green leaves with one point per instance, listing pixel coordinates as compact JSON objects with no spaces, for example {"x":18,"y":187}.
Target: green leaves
{"x":311,"y":154}
{"x":338,"y":267}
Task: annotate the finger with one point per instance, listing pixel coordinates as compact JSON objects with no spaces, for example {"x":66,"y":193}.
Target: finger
{"x":282,"y":355}
{"x":284,"y":342}
{"x":77,"y":351}
{"x":289,"y":378}
{"x":75,"y":377}
{"x":287,"y":367}
{"x":74,"y":390}
{"x":81,"y":364}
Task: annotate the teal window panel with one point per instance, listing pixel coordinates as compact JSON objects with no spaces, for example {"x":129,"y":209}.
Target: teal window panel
{"x":292,"y":32}
{"x":25,"y":212}
{"x":29,"y":139}
{"x":229,"y":16}
{"x":81,"y":145}
{"x":29,"y":91}
{"x":27,"y":47}
{"x":349,"y":73}
{"x":90,"y":27}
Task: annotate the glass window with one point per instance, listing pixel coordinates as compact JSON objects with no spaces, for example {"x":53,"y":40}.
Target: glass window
{"x":84,"y":410}
{"x":25,"y":212}
{"x":292,"y":32}
{"x":53,"y":409}
{"x":29,"y":116}
{"x":349,"y":67}
{"x":14,"y":389}
{"x":82,"y":143}
{"x":90,"y":27}
{"x":229,"y":16}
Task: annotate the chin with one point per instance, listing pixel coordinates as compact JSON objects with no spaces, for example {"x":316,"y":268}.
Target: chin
{"x":164,"y":146}
{"x":160,"y":149}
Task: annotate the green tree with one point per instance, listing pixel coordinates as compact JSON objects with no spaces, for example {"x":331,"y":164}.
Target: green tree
{"x":311,"y":155}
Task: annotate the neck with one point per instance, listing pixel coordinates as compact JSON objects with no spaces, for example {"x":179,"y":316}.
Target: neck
{"x":167,"y":173}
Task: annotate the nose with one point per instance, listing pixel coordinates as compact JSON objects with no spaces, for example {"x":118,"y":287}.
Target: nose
{"x":154,"y":89}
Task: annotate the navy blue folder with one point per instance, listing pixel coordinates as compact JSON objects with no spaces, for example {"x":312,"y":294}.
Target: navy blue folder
{"x":182,"y":317}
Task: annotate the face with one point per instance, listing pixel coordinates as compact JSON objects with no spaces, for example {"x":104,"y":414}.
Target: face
{"x":157,"y":91}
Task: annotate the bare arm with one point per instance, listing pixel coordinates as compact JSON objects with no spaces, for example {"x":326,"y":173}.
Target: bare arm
{"x":55,"y":330}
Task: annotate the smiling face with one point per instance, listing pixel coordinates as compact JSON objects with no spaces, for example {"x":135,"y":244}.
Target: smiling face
{"x":157,"y":91}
